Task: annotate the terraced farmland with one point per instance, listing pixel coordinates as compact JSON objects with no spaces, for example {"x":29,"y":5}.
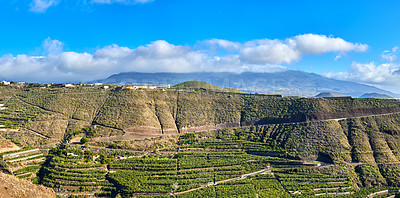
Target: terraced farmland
{"x":73,"y":171}
{"x":25,"y":162}
{"x":201,"y":166}
{"x":204,"y":168}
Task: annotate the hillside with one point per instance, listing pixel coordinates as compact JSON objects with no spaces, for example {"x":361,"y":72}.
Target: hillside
{"x":45,"y":116}
{"x":287,"y":83}
{"x":329,"y":94}
{"x":324,"y":145}
{"x":365,"y":144}
{"x":203,"y":85}
{"x":264,"y":161}
{"x":12,"y":187}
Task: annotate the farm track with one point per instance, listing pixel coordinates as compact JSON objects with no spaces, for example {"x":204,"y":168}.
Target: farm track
{"x":217,"y":128}
{"x":39,"y":107}
{"x":72,"y":193}
{"x":383,"y":192}
{"x":264,"y":171}
{"x":192,"y":169}
{"x":26,"y":158}
{"x":334,"y":193}
{"x":37,"y":133}
{"x":335,"y":188}
{"x":383,"y":114}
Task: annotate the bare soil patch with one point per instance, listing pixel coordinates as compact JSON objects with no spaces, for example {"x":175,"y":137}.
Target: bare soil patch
{"x":7,"y":145}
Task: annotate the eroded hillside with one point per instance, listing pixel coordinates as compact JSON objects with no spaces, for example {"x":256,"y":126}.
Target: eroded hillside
{"x":49,"y":113}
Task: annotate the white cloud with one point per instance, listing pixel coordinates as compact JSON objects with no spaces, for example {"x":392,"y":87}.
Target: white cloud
{"x":370,"y":72}
{"x":295,"y":48}
{"x":390,"y":55}
{"x":52,"y":46}
{"x":319,"y":44}
{"x":385,"y":75}
{"x":269,"y":51}
{"x":159,"y":56}
{"x":220,"y":43}
{"x":143,"y":1}
{"x":122,"y":1}
{"x":40,"y":6}
{"x":262,"y":55}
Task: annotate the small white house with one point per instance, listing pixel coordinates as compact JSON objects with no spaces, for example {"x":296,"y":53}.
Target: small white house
{"x":98,"y":84}
{"x":69,"y":85}
{"x":5,"y":83}
{"x":105,"y":87}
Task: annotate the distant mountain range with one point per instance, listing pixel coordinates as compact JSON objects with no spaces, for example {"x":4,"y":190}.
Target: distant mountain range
{"x":375,"y":95}
{"x":288,"y":83}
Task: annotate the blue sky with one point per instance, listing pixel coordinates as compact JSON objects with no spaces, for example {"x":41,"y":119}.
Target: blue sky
{"x":78,"y":40}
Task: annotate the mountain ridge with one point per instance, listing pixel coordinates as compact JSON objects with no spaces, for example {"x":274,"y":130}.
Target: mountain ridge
{"x":375,"y":95}
{"x":288,"y":83}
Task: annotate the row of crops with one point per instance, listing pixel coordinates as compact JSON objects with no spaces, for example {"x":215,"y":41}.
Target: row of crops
{"x":76,"y":173}
{"x":302,"y":184}
{"x":217,"y":168}
{"x":144,"y":176}
{"x":261,"y":186}
{"x":17,"y":113}
{"x":208,"y":167}
{"x":24,"y":163}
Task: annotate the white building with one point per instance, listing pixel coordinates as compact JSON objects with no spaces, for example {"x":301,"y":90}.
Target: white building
{"x":69,"y":85}
{"x":95,"y":157}
{"x":5,"y":83}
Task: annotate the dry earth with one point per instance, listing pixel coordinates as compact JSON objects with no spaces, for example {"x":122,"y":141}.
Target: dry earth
{"x":12,"y":187}
{"x":7,"y":145}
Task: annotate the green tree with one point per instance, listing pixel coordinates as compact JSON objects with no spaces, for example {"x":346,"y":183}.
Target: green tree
{"x":84,"y":140}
